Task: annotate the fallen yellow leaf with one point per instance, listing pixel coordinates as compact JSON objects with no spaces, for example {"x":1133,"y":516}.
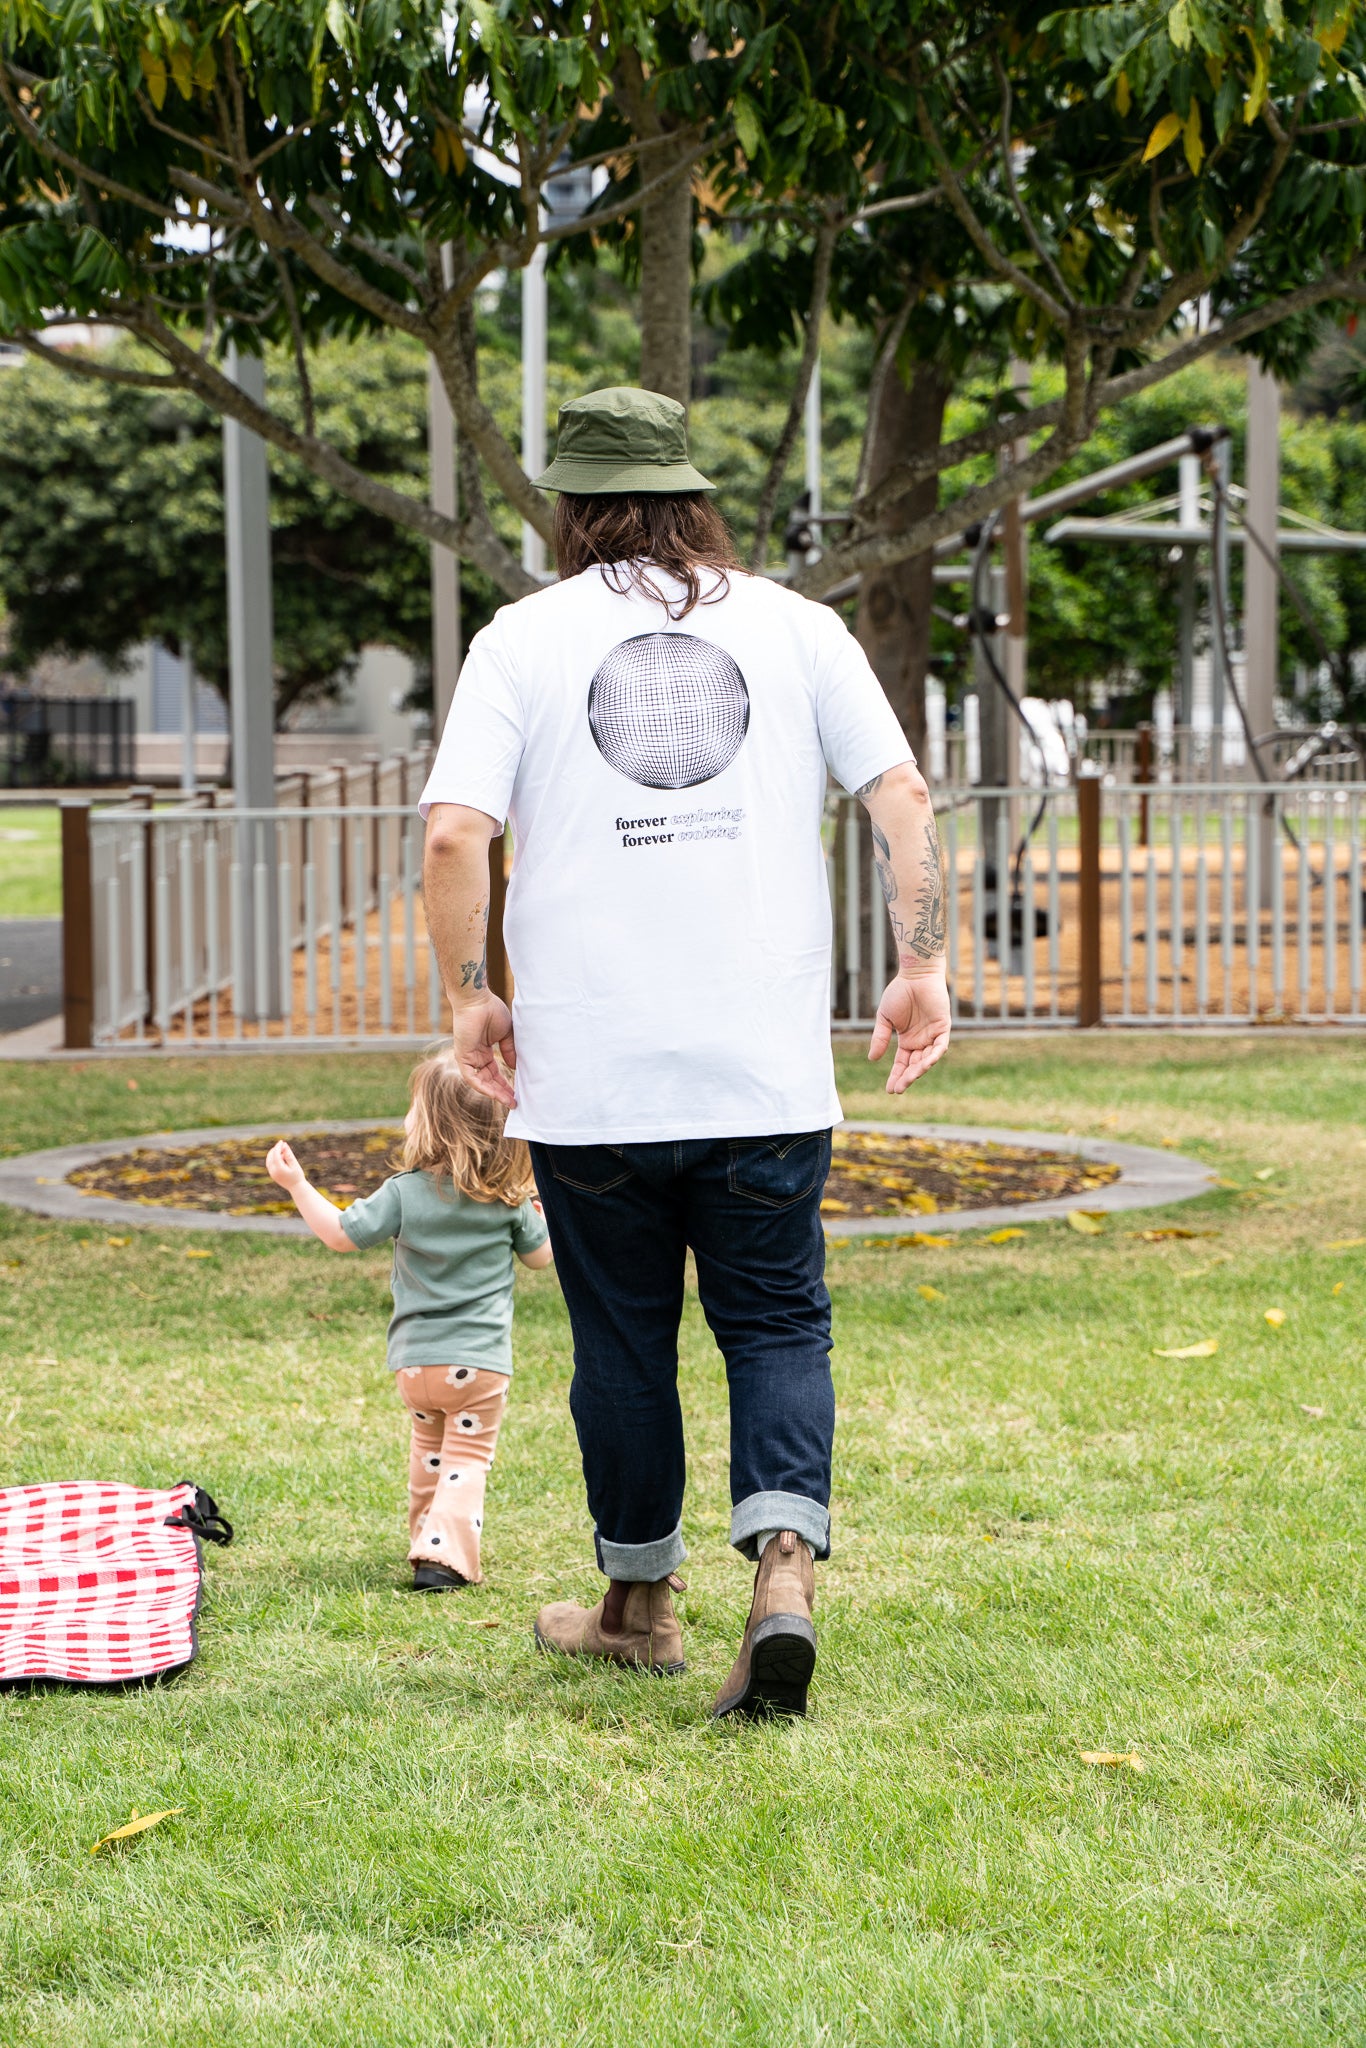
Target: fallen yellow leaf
{"x":1171,"y":1230}
{"x":1264,"y":1173}
{"x":1171,"y":1143}
{"x":928,"y":1293}
{"x":136,"y":1826}
{"x":1317,"y":1413}
{"x":198,"y":1255}
{"x":1085,"y":1222}
{"x":483,"y":1622}
{"x":117,"y":1242}
{"x":1274,"y":1316}
{"x":1115,"y":1758}
{"x":1338,"y":1286}
{"x":1344,"y":1244}
{"x":1206,"y":1348}
{"x":829,"y":1207}
{"x":1002,"y":1236}
{"x":924,"y":1237}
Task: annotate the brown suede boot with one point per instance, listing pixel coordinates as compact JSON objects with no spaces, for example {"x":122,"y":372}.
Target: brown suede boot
{"x":778,"y":1654}
{"x":649,"y":1636}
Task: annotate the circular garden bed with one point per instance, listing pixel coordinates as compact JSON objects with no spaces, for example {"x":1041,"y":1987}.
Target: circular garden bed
{"x":874,"y":1173}
{"x":882,"y":1174}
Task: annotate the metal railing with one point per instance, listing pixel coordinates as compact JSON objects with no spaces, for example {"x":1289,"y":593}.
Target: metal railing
{"x":1174,"y":905}
{"x":218,"y":926}
{"x":1186,"y":754}
{"x":1171,"y":905}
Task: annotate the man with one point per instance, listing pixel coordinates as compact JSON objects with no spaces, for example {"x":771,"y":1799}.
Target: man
{"x":658,"y":726}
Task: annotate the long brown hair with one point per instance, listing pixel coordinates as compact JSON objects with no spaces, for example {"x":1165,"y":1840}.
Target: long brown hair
{"x":628,"y":533}
{"x":458,"y":1136}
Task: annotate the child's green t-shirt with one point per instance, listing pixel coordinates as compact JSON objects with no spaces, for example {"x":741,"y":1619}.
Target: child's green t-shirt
{"x":452,"y":1276}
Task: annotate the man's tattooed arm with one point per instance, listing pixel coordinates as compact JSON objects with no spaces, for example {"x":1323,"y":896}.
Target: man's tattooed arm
{"x":909,"y":864}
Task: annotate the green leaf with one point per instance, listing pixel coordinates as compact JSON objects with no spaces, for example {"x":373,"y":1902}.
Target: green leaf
{"x":747,"y":127}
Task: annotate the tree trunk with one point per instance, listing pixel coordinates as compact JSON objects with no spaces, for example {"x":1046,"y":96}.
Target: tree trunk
{"x":895,"y":603}
{"x":666,"y":278}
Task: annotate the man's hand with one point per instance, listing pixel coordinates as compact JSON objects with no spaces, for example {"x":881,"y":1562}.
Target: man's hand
{"x":916,"y":1009}
{"x":480,"y":1031}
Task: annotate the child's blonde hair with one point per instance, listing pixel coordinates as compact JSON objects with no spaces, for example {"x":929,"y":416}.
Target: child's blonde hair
{"x":457,"y":1134}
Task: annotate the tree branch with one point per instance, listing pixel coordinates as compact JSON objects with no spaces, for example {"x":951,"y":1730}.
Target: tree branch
{"x":296,"y":330}
{"x":91,"y":367}
{"x":586,"y":222}
{"x":205,"y":381}
{"x":811,"y":346}
{"x":1032,"y":234}
{"x":972,"y":226}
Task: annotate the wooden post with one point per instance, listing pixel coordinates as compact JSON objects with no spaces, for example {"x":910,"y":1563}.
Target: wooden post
{"x":1088,"y":844}
{"x":78,"y":929}
{"x":497,"y":954}
{"x":1143,"y":775}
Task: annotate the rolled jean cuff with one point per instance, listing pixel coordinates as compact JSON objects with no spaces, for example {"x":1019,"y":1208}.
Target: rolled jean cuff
{"x":807,"y":1518}
{"x":641,"y":1561}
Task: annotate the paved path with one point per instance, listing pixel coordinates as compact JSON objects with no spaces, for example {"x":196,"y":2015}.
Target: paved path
{"x":30,"y":970}
{"x":1148,"y":1178}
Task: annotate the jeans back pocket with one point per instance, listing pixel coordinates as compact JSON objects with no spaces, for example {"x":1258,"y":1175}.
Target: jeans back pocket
{"x":593,"y":1169}
{"x":778,"y":1171}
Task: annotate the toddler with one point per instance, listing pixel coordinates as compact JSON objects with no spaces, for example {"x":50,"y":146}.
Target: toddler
{"x":460,"y":1208}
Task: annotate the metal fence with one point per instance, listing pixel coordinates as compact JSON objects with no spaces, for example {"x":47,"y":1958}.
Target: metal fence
{"x":51,"y":741}
{"x":1170,"y":905}
{"x":1183,"y":754}
{"x":207,"y":925}
{"x":1176,"y":905}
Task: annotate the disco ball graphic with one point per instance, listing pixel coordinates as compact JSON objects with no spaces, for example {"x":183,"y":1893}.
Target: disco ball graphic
{"x":668,"y":710}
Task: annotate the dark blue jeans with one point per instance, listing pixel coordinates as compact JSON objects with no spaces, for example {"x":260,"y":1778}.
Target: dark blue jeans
{"x":622,"y":1218}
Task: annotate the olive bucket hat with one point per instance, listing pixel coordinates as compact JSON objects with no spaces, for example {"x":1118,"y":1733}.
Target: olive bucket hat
{"x":622,"y":439}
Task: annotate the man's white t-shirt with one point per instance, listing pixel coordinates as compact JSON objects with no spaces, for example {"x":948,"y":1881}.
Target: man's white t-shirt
{"x":668,"y":916}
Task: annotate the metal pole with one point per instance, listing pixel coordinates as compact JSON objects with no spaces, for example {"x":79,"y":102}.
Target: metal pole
{"x":251,"y":664}
{"x":444,"y":493}
{"x":533,"y":394}
{"x":1016,"y":560}
{"x":189,"y":766}
{"x":1261,"y":516}
{"x":813,"y":440}
{"x":1189,"y":473}
{"x":1219,"y":568}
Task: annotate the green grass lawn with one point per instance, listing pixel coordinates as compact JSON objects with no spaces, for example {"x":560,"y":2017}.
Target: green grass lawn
{"x":402,"y":1829}
{"x":30,"y":861}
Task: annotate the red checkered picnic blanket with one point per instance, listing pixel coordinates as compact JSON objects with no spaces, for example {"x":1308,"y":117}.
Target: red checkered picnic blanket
{"x":99,"y":1584}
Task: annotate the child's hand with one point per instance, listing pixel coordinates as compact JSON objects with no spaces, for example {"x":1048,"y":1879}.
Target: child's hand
{"x":283,"y":1168}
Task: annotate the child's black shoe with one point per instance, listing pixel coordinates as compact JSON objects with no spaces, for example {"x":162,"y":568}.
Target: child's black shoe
{"x":435,"y":1578}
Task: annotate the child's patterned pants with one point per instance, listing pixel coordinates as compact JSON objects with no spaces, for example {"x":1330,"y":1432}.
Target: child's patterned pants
{"x":456,"y":1411}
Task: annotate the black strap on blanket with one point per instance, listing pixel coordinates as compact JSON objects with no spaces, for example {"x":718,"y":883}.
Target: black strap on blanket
{"x":202,"y":1516}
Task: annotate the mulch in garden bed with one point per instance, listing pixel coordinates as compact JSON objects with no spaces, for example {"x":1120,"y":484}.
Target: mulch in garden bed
{"x":875,"y":1173}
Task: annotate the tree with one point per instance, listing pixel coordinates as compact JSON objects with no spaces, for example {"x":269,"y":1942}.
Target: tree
{"x":1067,"y":182}
{"x":111,"y":524}
{"x":207,"y":172}
{"x":1062,"y":187}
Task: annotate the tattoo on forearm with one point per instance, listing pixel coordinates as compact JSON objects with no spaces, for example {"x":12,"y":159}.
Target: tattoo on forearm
{"x":475,"y":971}
{"x":927,"y":939}
{"x":886,"y":874}
{"x":866,"y":789}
